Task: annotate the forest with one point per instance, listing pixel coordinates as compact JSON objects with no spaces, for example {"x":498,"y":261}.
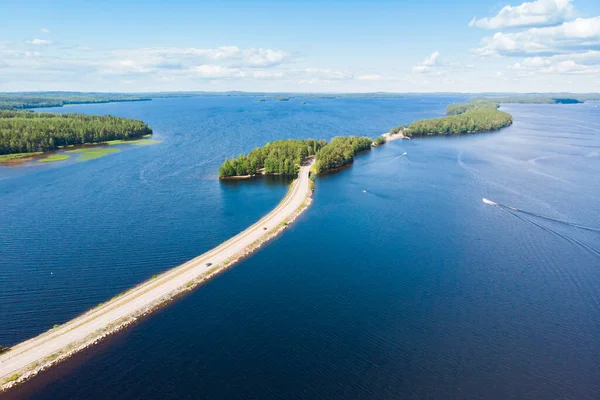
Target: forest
{"x":278,"y":157}
{"x":26,"y":131}
{"x":455,"y":109}
{"x":478,"y":119}
{"x":18,"y":101}
{"x":479,"y":115}
{"x":340,"y":151}
{"x":286,"y":156}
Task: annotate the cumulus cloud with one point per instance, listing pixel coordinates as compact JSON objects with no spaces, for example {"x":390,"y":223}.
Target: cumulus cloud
{"x":188,"y":57}
{"x":263,"y":57}
{"x":171,"y":65}
{"x":39,"y":42}
{"x":582,"y":63}
{"x":578,"y":35}
{"x":428,"y":64}
{"x":529,"y":14}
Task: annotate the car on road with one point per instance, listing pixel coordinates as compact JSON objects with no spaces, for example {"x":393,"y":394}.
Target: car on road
{"x":265,"y":228}
{"x":208,"y":264}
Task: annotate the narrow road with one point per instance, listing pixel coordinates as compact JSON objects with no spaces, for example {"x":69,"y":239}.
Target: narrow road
{"x":27,"y":357}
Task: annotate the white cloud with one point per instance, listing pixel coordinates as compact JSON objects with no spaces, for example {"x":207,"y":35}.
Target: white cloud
{"x":432,"y":59}
{"x":578,"y":35}
{"x":183,"y":58}
{"x":582,"y":63}
{"x":529,"y":14}
{"x":40,"y":42}
{"x":45,"y":30}
{"x":422,"y":69}
{"x":369,"y":77}
{"x":428,"y":63}
{"x":160,"y":64}
{"x":263,"y":57}
{"x":216,"y":72}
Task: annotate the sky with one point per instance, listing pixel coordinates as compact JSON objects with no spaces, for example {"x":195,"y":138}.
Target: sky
{"x":300,"y":46}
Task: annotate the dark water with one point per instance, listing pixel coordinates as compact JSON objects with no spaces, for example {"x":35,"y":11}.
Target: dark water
{"x":414,"y":289}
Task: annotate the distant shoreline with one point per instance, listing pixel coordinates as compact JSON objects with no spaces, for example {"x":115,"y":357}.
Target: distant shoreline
{"x":82,"y":102}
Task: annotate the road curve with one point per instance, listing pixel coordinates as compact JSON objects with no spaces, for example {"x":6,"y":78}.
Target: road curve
{"x":27,"y":358}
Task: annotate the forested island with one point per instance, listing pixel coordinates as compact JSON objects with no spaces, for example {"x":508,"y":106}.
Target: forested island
{"x":340,"y":151}
{"x":28,"y":132}
{"x":541,"y":99}
{"x":284,"y":157}
{"x":19,"y":101}
{"x":477,"y":116}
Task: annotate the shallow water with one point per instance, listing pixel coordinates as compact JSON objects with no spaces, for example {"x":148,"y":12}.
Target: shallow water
{"x":412,"y":289}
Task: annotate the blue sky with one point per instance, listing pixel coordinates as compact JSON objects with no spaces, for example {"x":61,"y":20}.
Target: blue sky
{"x":316,"y":46}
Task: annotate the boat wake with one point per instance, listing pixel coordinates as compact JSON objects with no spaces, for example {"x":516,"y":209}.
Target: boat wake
{"x":560,"y":221}
{"x":524,"y":216}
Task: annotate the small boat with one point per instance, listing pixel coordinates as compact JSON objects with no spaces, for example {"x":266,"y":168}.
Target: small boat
{"x":491,"y":203}
{"x":364,"y":191}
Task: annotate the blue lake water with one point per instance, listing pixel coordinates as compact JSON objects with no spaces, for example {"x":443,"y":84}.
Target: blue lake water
{"x":414,"y":289}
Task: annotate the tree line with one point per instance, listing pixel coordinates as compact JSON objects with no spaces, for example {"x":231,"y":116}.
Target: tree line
{"x":17,"y":101}
{"x":340,"y":151}
{"x":26,"y":132}
{"x":286,"y":156}
{"x":278,"y":157}
{"x":471,"y":121}
{"x":455,"y":109}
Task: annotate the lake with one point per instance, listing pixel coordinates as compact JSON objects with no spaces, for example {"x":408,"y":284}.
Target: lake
{"x":397,"y":282}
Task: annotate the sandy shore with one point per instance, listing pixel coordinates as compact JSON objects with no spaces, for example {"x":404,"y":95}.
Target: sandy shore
{"x":389,"y":138}
{"x":30,"y":357}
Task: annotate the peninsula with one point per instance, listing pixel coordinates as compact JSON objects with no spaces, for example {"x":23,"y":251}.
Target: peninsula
{"x":475,"y":117}
{"x":24,"y":132}
{"x":19,"y":101}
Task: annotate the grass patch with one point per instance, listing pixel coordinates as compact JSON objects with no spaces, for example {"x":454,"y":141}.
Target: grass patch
{"x":135,"y":142}
{"x":145,"y":142}
{"x":8,"y":157}
{"x":93,"y":152}
{"x":119,"y":141}
{"x":12,"y":378}
{"x":54,"y":157}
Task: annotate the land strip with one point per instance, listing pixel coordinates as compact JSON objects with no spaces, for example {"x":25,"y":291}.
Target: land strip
{"x":32,"y":356}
